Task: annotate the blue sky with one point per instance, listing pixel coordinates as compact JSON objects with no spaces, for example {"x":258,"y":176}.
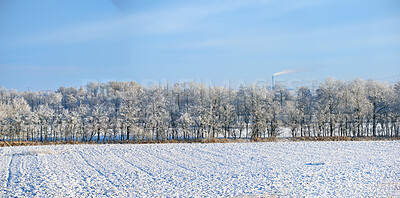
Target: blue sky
{"x":45,"y":44}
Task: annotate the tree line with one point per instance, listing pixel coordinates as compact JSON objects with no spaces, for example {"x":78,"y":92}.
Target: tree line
{"x":129,"y":111}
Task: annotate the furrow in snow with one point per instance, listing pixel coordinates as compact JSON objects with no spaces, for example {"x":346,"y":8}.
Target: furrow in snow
{"x":310,"y":169}
{"x":8,"y":184}
{"x":96,"y":170}
{"x":151,"y":175}
{"x":165,"y":158}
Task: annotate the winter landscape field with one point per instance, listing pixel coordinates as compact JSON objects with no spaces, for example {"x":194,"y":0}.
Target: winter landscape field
{"x":210,"y":98}
{"x":274,"y":169}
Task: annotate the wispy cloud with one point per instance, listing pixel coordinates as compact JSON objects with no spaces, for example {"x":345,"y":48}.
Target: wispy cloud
{"x":350,"y":36}
{"x":39,"y":70}
{"x":165,"y":20}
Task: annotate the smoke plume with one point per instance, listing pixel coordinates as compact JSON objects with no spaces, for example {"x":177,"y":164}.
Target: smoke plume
{"x":289,"y":71}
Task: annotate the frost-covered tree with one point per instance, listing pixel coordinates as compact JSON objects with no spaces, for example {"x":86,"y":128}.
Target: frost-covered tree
{"x":260,"y":101}
{"x":293,"y":117}
{"x":242,"y":105}
{"x":20,"y":113}
{"x":306,"y":108}
{"x":377,"y":93}
{"x":156,"y":114}
{"x":227,"y":111}
{"x":5,"y":119}
{"x":130,"y":107}
{"x":360,"y":106}
{"x":45,"y":114}
{"x":328,"y":102}
{"x":185,"y":123}
{"x":129,"y":111}
{"x":396,"y":110}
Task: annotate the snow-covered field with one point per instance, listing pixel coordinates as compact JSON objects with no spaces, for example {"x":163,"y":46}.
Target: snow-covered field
{"x":320,"y":169}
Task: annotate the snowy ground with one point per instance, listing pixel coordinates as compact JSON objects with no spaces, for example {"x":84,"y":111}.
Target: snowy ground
{"x":327,"y":169}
